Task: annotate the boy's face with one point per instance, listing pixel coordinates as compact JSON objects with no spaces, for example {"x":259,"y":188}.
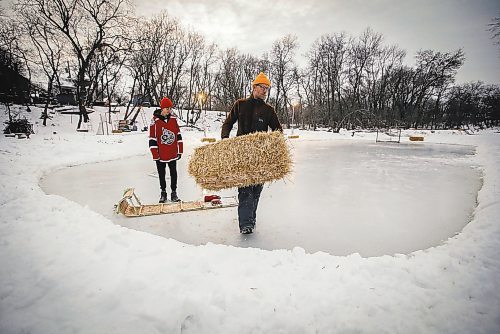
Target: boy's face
{"x":166,"y":111}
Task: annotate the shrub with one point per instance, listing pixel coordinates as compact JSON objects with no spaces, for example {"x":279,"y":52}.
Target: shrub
{"x":18,"y":126}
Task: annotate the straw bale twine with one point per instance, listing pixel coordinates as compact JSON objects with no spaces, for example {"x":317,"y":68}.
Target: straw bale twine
{"x":241,"y":161}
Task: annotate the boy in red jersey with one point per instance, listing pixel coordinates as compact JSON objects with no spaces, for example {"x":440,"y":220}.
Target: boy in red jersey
{"x":165,"y":143}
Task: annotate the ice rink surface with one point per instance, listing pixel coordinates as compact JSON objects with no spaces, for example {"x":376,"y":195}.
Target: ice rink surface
{"x":343,"y":197}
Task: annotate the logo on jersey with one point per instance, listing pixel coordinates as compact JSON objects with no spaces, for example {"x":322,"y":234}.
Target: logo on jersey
{"x":167,"y":137}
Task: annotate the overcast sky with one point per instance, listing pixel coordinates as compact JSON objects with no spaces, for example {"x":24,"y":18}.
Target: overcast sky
{"x":439,"y":25}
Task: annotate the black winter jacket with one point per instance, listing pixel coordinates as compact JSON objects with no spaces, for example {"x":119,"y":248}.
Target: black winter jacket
{"x":253,"y":115}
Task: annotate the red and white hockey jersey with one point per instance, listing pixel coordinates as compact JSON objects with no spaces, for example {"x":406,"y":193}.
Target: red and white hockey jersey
{"x":165,"y":139}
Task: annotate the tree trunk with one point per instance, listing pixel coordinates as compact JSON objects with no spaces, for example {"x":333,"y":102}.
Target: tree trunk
{"x":45,"y":114}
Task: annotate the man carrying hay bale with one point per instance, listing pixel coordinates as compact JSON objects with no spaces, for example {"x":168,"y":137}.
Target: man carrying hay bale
{"x":253,"y":114}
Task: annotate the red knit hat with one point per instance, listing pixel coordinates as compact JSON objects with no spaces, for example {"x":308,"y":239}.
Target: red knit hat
{"x":166,"y":103}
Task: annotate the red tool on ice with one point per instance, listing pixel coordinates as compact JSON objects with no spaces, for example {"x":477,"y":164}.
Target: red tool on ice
{"x":211,"y":198}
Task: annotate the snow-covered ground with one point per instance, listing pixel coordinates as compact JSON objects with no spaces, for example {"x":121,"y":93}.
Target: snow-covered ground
{"x":68,"y":269}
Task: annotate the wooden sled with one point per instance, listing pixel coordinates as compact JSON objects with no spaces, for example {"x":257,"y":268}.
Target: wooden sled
{"x":131,"y":206}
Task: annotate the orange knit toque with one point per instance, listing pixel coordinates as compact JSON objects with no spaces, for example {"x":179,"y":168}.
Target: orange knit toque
{"x":261,"y":79}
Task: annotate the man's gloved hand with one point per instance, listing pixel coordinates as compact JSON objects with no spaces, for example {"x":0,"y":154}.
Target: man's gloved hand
{"x":179,"y":156}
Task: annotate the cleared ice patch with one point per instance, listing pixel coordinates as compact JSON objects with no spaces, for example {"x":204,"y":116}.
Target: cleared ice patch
{"x":344,"y":197}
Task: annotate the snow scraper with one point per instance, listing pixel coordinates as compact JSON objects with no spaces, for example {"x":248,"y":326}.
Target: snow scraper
{"x":131,"y":206}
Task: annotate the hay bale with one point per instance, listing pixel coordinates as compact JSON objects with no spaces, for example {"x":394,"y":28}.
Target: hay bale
{"x":241,"y":161}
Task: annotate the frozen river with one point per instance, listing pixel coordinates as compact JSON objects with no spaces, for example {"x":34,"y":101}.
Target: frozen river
{"x":343,"y":197}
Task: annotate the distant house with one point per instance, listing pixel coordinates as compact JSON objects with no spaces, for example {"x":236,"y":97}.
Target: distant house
{"x":13,"y":86}
{"x":66,"y":92}
{"x":66,"y":96}
{"x":106,"y":103}
{"x":141,"y":100}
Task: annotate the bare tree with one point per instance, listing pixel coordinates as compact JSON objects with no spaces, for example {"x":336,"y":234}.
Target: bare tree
{"x":14,"y":56}
{"x":204,"y":76}
{"x":208,"y":75}
{"x":494,"y":28}
{"x":377,"y":97}
{"x":311,"y":83}
{"x":161,"y":58}
{"x":282,"y":69}
{"x":333,"y":69}
{"x":235,"y":75}
{"x":472,"y":103}
{"x":47,"y":50}
{"x":362,"y":55}
{"x":434,"y":70}
{"x":87,"y":25}
{"x":194,"y":95}
{"x":112,"y":64}
{"x":105,"y":73}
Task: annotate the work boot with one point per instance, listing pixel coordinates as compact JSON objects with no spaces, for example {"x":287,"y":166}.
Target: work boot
{"x":247,"y":230}
{"x":163,"y":197}
{"x":174,"y":197}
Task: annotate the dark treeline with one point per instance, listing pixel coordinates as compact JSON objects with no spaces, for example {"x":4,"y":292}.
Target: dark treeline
{"x":106,"y":53}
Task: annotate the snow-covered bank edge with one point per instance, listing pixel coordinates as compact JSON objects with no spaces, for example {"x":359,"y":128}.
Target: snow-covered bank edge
{"x":65,"y":268}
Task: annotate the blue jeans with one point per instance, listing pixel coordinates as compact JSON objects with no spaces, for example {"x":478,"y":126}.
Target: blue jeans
{"x":248,"y":198}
